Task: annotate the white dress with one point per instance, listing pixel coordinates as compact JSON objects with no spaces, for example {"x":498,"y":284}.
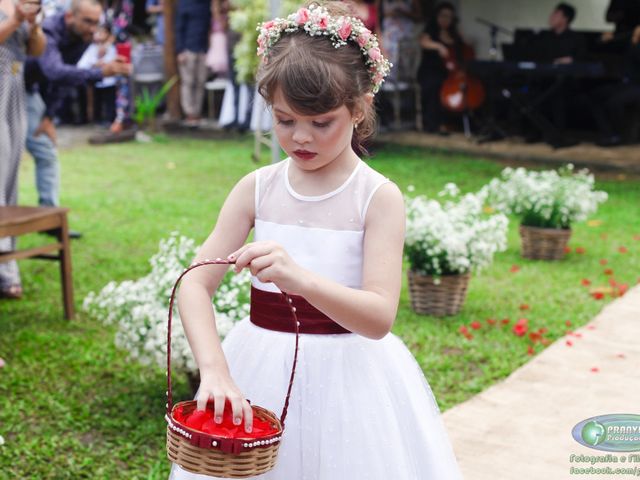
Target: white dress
{"x":360,"y":408}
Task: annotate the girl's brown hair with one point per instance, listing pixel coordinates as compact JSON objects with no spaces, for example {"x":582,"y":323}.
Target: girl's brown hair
{"x":316,"y":78}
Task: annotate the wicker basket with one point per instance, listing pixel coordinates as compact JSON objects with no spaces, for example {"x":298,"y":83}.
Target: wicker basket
{"x":444,"y":298}
{"x":544,"y":243}
{"x":207,"y":454}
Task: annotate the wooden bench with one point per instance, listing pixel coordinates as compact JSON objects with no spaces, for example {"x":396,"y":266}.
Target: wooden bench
{"x":16,"y":221}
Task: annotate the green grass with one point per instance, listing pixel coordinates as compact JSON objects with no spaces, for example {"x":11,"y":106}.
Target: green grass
{"x":73,"y":406}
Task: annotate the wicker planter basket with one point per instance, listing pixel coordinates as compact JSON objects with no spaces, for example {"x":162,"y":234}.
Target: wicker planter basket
{"x":216,"y":456}
{"x":544,"y":243}
{"x":444,"y":298}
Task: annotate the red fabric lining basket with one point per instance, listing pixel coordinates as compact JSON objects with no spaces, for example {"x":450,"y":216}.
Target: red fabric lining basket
{"x":213,"y":454}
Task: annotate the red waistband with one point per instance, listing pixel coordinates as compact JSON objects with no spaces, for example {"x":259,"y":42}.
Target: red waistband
{"x":269,"y":310}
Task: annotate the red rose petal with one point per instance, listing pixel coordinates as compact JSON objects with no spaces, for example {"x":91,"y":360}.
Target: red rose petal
{"x":530,"y":350}
{"x":569,"y":343}
{"x":586,"y":282}
{"x":475,"y":325}
{"x":514,"y":268}
{"x":491,"y":321}
{"x":621,"y":355}
{"x":463,"y":329}
{"x":567,"y":249}
{"x":591,"y":327}
{"x":598,"y":295}
{"x":580,"y":250}
{"x":505,"y":321}
{"x":608,"y":271}
{"x":622,"y":289}
{"x":576,"y":334}
{"x":622,"y":249}
{"x":468,"y":336}
{"x":595,"y":369}
{"x":567,"y":323}
{"x":542,"y":330}
{"x":636,"y":238}
{"x":524,"y":306}
{"x":520,"y":329}
{"x":603,"y":261}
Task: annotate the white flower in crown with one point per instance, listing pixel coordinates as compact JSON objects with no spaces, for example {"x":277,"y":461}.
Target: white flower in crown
{"x":315,"y":20}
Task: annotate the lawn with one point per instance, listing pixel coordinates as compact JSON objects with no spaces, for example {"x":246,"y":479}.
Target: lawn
{"x":73,"y":406}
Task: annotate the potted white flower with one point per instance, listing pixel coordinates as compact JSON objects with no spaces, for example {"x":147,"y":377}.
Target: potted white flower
{"x":140,"y":307}
{"x":548,"y":203}
{"x":444,"y":243}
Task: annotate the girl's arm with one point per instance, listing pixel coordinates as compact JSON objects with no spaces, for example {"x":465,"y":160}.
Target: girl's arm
{"x":194,"y":301}
{"x":372,"y":310}
{"x":369,"y":311}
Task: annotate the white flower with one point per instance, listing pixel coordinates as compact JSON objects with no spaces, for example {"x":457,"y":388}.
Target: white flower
{"x":1,"y":440}
{"x":547,"y":198}
{"x":139,"y":308}
{"x":454,"y":237}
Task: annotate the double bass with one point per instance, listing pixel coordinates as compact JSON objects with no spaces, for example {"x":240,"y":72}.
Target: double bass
{"x":461,"y":92}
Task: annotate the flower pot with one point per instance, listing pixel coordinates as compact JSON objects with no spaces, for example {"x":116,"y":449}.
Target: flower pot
{"x":437,"y":299}
{"x":544,"y":243}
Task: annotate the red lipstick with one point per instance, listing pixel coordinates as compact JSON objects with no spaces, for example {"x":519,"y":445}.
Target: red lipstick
{"x":304,"y":154}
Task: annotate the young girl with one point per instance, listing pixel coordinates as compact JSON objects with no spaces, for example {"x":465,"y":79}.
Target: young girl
{"x":329,"y":231}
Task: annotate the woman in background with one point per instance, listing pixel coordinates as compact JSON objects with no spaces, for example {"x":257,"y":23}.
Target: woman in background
{"x":20,"y":36}
{"x":440,"y":39}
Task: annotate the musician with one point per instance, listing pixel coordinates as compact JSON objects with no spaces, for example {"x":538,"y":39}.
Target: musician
{"x":560,"y":44}
{"x":441,"y":37}
{"x":625,"y":14}
{"x":608,"y":103}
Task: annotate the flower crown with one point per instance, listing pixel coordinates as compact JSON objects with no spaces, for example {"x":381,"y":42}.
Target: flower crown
{"x":315,"y":20}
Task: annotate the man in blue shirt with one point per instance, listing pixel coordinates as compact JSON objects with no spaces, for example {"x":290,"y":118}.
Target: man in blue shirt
{"x":68,"y":35}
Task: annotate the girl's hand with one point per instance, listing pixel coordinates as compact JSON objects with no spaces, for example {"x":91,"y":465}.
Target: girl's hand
{"x":221,"y":388}
{"x":270,"y":262}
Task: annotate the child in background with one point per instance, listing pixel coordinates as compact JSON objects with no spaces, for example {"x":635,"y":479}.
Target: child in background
{"x":329,"y":231}
{"x":102,"y":51}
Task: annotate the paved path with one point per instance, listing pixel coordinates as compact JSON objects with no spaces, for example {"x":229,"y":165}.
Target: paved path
{"x":520,"y":428}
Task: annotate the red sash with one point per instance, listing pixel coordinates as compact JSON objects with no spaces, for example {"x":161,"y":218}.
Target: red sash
{"x":269,"y":310}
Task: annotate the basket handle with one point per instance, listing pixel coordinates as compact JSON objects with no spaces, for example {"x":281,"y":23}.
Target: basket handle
{"x":287,"y":299}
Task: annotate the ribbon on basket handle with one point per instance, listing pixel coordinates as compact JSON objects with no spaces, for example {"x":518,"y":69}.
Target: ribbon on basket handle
{"x":287,"y":299}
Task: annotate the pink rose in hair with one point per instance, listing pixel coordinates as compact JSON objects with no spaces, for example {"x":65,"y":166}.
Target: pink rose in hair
{"x":323,"y":23}
{"x":268,"y":25}
{"x":363,"y":38}
{"x":375,"y":54}
{"x":302,"y":16}
{"x":345,"y":30}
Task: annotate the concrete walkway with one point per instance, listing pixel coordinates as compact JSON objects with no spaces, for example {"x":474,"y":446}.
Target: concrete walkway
{"x":520,"y":428}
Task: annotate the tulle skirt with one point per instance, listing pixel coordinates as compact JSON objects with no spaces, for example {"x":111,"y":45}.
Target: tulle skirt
{"x":359,"y":409}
